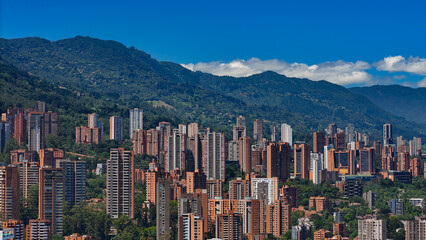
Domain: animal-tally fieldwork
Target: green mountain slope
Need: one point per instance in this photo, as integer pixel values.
(406, 102)
(128, 77)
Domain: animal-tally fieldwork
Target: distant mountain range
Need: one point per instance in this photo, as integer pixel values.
(406, 102)
(113, 75)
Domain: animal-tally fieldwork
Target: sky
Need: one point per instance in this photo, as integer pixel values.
(351, 43)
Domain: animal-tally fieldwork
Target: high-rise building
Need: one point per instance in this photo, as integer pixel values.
(316, 165)
(244, 147)
(397, 206)
(339, 141)
(165, 129)
(252, 213)
(403, 161)
(388, 158)
(319, 203)
(301, 161)
(162, 208)
(287, 134)
(18, 227)
(152, 142)
(50, 123)
(139, 141)
(192, 129)
(195, 180)
(40, 106)
(229, 226)
(265, 189)
(214, 156)
(278, 161)
(39, 229)
(415, 145)
(116, 128)
(35, 131)
(120, 183)
(322, 234)
(319, 142)
(9, 193)
(241, 121)
(257, 130)
(51, 197)
(75, 180)
(28, 177)
(415, 229)
(339, 228)
(239, 189)
(350, 133)
(370, 198)
(367, 161)
(136, 120)
(151, 186)
(371, 228)
(415, 167)
(191, 227)
(93, 122)
(238, 132)
(387, 134)
(290, 194)
(195, 153)
(176, 154)
(88, 135)
(332, 129)
(233, 151)
(214, 188)
(275, 136)
(340, 161)
(278, 217)
(196, 204)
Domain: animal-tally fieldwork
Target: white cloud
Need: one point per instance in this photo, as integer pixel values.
(421, 83)
(401, 64)
(339, 72)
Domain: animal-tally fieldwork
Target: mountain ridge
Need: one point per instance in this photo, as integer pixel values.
(128, 76)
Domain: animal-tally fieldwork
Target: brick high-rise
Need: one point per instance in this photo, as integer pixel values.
(319, 142)
(176, 154)
(9, 192)
(278, 161)
(191, 227)
(244, 147)
(257, 130)
(229, 226)
(28, 177)
(301, 161)
(35, 124)
(51, 197)
(120, 183)
(139, 141)
(239, 189)
(278, 218)
(39, 229)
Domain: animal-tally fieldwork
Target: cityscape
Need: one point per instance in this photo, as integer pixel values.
(187, 182)
(212, 120)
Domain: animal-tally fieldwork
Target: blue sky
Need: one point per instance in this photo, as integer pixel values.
(340, 41)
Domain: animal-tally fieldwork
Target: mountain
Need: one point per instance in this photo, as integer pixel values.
(406, 102)
(110, 72)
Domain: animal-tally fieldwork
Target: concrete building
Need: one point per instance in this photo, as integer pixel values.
(51, 197)
(75, 180)
(136, 120)
(287, 134)
(265, 189)
(191, 227)
(120, 183)
(387, 134)
(397, 206)
(239, 189)
(163, 209)
(214, 156)
(116, 128)
(415, 229)
(176, 151)
(18, 227)
(192, 129)
(370, 198)
(371, 228)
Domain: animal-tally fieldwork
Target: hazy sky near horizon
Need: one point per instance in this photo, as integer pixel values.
(352, 43)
